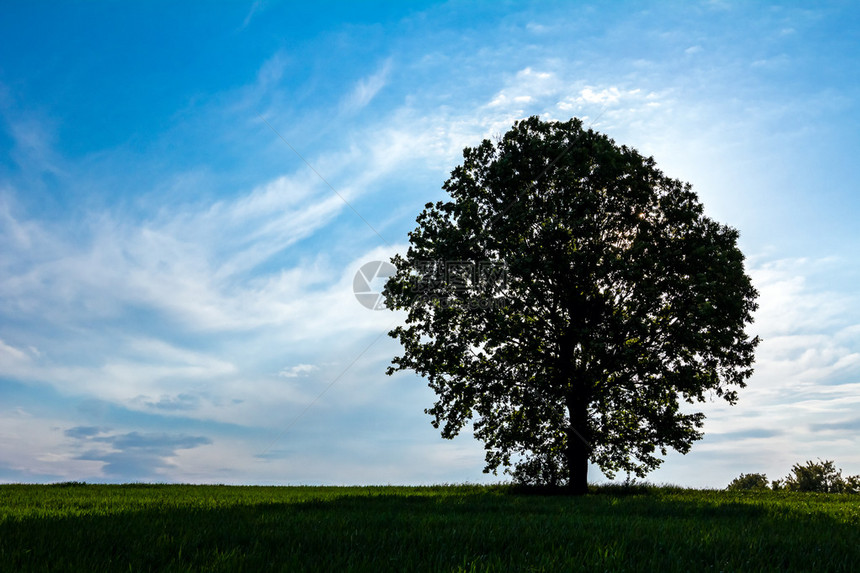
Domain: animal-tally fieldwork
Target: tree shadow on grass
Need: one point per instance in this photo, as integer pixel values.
(606, 489)
(491, 529)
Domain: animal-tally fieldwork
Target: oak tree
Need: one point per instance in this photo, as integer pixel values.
(566, 300)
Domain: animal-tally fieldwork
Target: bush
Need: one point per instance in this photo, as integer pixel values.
(748, 482)
(822, 477)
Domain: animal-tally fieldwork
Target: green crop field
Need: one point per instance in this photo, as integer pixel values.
(72, 527)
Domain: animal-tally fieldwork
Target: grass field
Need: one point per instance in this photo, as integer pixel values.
(71, 527)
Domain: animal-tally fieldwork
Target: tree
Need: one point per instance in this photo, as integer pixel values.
(822, 477)
(565, 299)
(749, 482)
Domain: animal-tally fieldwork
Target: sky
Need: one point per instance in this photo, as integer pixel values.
(187, 192)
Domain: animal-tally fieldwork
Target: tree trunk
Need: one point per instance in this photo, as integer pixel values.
(577, 397)
(578, 448)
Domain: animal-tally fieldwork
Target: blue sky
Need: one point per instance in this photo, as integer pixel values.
(176, 282)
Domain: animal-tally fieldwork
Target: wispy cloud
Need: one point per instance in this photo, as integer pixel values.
(33, 138)
(367, 88)
(297, 370)
(178, 402)
(526, 87)
(10, 354)
(801, 401)
(191, 263)
(256, 8)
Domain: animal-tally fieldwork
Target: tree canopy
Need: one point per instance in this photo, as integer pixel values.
(565, 300)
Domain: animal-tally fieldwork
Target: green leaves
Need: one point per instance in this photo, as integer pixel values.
(618, 298)
(817, 477)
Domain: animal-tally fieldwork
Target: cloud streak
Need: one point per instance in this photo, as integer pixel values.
(367, 88)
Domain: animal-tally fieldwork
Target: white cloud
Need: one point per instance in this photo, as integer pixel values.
(536, 28)
(367, 88)
(622, 105)
(191, 265)
(15, 362)
(257, 7)
(781, 61)
(788, 305)
(194, 270)
(271, 71)
(10, 354)
(34, 449)
(527, 86)
(807, 374)
(297, 370)
(33, 148)
(609, 95)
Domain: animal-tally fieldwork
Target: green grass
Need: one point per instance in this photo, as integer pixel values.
(447, 528)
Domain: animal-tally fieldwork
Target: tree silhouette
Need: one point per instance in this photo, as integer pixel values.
(565, 300)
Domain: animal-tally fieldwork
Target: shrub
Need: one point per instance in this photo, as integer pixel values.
(748, 482)
(822, 477)
(852, 484)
